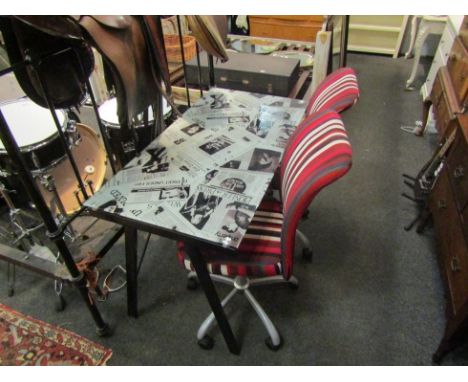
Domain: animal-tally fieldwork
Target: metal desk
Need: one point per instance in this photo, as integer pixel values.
(201, 181)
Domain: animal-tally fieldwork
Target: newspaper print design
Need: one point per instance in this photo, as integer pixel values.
(206, 174)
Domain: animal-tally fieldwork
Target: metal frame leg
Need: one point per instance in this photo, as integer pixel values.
(131, 259)
(210, 320)
(213, 299)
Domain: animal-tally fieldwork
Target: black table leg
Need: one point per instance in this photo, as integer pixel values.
(131, 258)
(213, 298)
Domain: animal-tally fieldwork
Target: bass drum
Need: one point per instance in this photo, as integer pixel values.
(90, 157)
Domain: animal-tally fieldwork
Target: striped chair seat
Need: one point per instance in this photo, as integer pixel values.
(259, 253)
(338, 91)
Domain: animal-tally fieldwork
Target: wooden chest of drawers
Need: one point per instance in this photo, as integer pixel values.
(457, 67)
(448, 203)
(448, 200)
(445, 102)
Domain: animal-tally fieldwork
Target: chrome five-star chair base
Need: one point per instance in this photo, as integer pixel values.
(242, 284)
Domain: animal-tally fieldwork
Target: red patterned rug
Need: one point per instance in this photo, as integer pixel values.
(27, 341)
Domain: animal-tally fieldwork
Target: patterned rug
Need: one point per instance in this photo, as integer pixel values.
(27, 341)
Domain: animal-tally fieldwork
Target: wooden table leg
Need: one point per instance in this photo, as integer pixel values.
(131, 259)
(213, 298)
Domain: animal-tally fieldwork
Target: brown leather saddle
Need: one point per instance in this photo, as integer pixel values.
(63, 74)
(210, 32)
(132, 46)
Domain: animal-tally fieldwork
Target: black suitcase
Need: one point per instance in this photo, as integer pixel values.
(249, 72)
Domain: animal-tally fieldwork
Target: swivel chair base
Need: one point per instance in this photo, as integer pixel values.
(242, 284)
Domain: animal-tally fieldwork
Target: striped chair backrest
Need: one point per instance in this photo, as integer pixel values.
(317, 154)
(338, 91)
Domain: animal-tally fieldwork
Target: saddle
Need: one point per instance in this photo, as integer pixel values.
(130, 45)
(63, 74)
(210, 34)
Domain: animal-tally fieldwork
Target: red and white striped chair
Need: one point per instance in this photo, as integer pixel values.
(317, 154)
(338, 91)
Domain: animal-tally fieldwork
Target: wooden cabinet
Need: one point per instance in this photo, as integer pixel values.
(445, 102)
(457, 66)
(452, 243)
(300, 28)
(448, 200)
(449, 208)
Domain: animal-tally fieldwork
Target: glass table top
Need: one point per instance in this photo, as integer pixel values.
(207, 173)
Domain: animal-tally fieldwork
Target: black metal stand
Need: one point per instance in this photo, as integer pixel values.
(200, 84)
(54, 232)
(183, 60)
(213, 299)
(344, 41)
(211, 70)
(52, 228)
(102, 130)
(131, 258)
(65, 145)
(424, 214)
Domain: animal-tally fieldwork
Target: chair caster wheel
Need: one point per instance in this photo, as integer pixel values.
(206, 343)
(307, 254)
(60, 304)
(270, 345)
(192, 283)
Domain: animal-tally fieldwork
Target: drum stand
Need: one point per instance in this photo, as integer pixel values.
(20, 236)
(53, 230)
(48, 181)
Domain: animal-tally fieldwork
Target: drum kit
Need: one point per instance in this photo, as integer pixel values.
(40, 143)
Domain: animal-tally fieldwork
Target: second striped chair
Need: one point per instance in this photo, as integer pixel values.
(338, 91)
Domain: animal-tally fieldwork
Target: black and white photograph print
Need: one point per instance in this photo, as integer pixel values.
(233, 184)
(210, 175)
(192, 129)
(219, 101)
(236, 221)
(241, 118)
(158, 161)
(234, 164)
(264, 160)
(199, 208)
(260, 127)
(174, 192)
(216, 145)
(285, 133)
